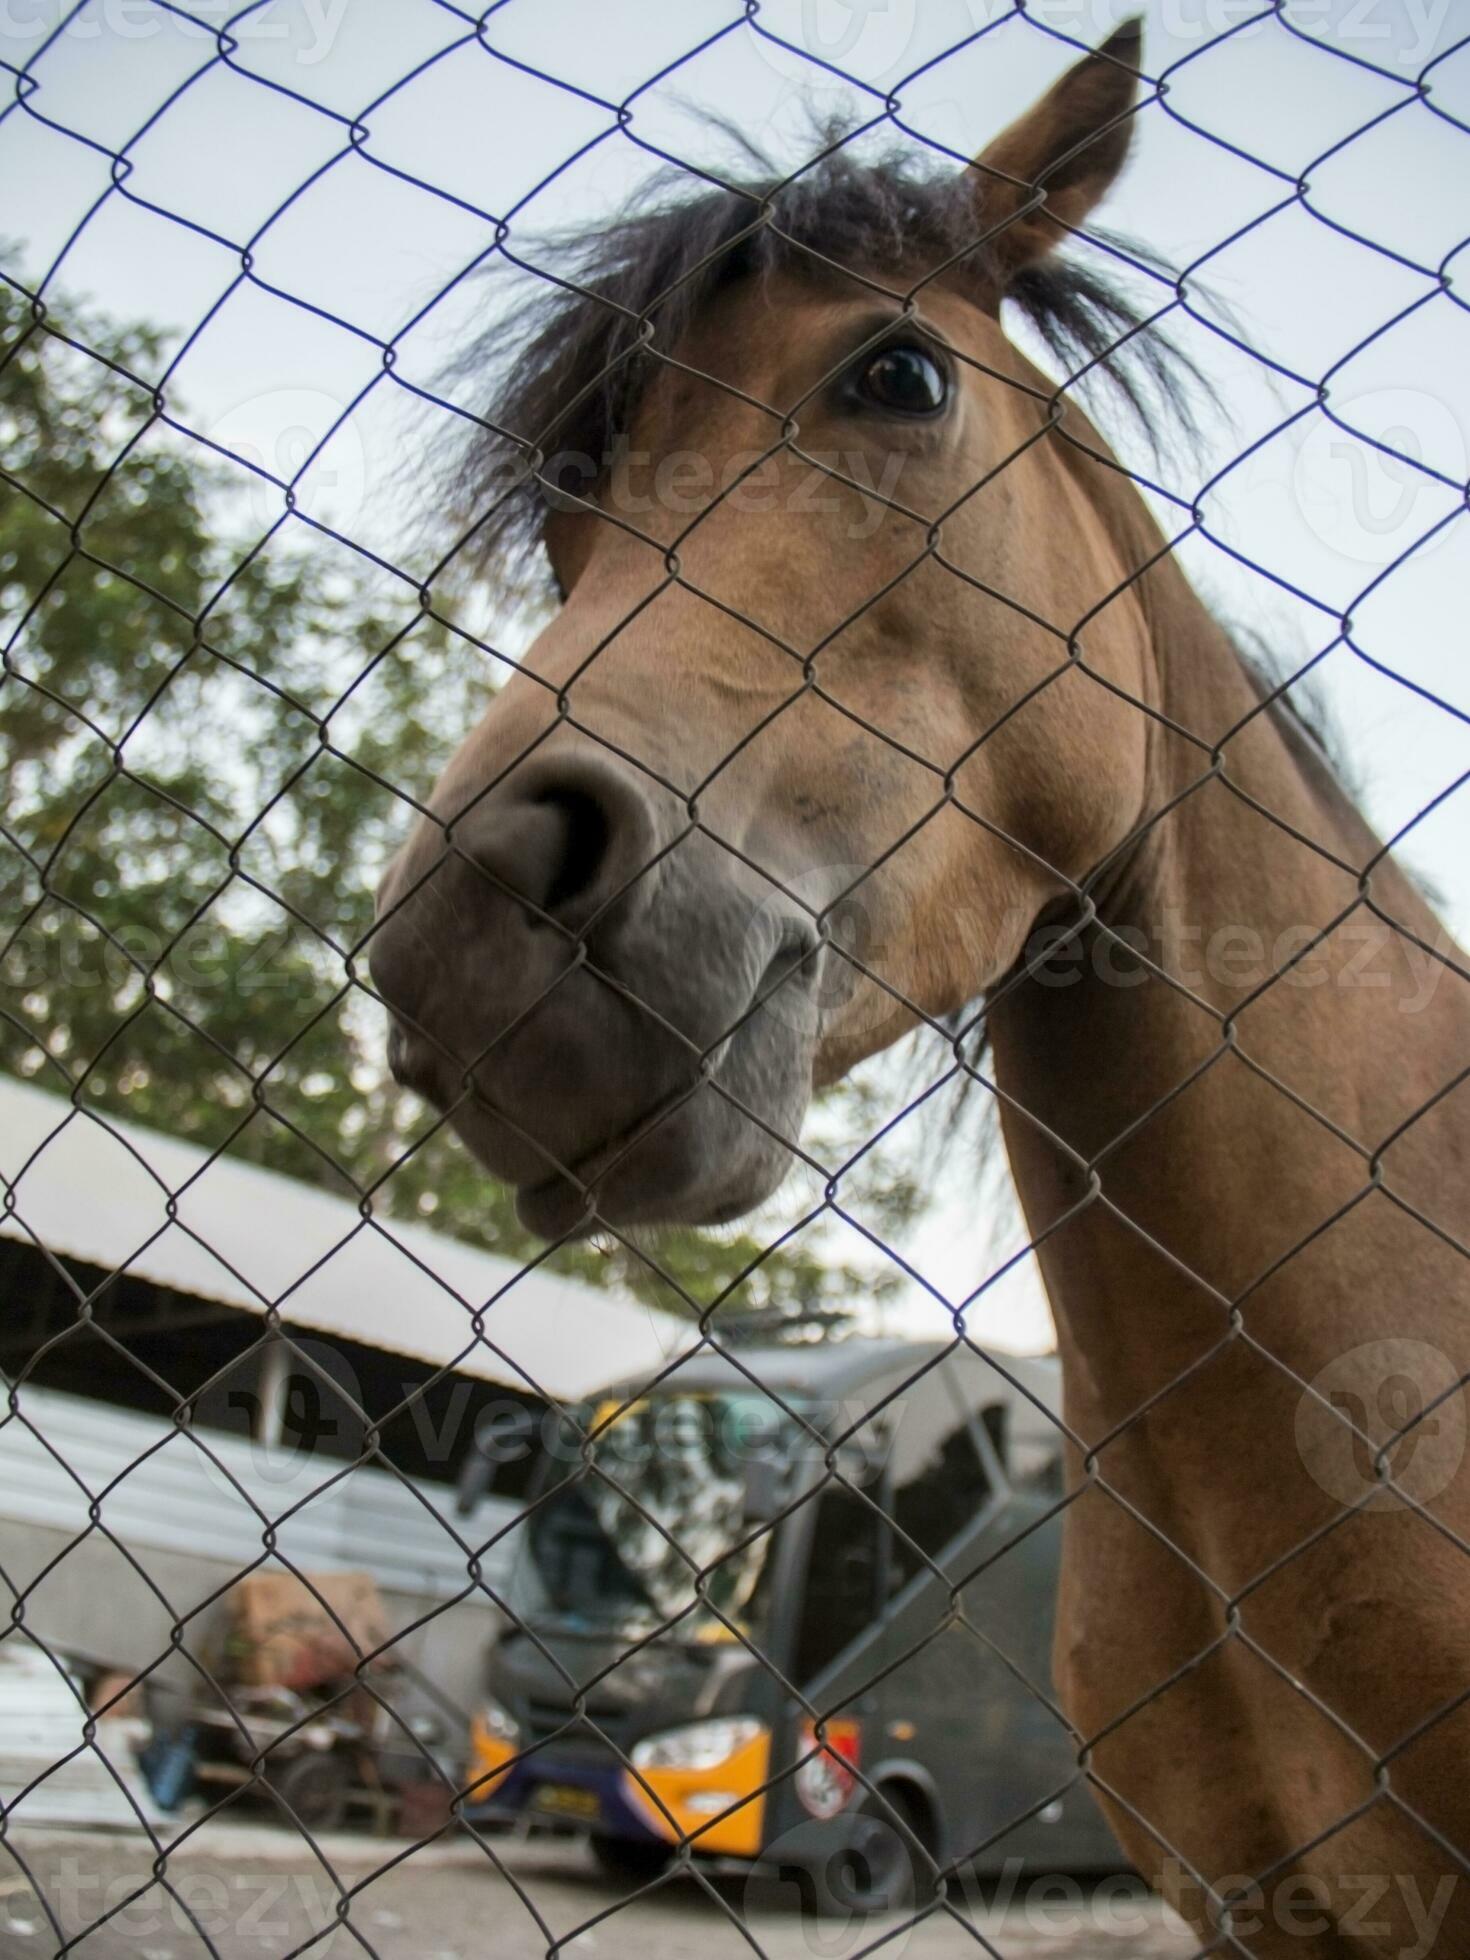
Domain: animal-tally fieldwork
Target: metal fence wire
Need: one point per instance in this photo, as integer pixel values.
(1255, 1459)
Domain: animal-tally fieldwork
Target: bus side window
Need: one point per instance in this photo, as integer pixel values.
(939, 1491)
(842, 1578)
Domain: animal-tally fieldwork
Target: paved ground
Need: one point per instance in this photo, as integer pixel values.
(257, 1897)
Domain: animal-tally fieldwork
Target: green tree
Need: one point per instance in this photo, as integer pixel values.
(207, 743)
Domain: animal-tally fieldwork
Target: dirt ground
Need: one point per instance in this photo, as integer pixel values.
(245, 1894)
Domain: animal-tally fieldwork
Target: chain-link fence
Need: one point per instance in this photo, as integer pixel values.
(582, 528)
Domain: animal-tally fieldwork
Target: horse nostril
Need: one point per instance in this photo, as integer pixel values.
(583, 845)
(568, 841)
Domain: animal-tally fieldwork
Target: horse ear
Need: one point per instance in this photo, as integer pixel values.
(1070, 146)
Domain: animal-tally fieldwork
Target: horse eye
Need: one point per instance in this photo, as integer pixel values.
(904, 381)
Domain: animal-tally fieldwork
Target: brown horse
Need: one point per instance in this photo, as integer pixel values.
(872, 665)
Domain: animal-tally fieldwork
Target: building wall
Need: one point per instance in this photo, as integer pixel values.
(115, 1527)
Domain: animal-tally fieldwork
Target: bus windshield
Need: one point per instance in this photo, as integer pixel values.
(679, 1481)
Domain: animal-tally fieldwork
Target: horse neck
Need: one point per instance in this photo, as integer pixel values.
(1172, 1143)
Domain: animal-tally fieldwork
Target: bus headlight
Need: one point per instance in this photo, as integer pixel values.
(495, 1739)
(698, 1745)
(497, 1723)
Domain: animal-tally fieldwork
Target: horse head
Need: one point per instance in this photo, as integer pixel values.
(813, 738)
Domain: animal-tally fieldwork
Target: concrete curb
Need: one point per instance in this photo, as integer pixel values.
(246, 1844)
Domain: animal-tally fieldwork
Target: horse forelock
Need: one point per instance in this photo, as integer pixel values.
(564, 372)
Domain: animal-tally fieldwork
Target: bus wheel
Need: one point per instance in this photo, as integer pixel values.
(633, 1860)
(871, 1870)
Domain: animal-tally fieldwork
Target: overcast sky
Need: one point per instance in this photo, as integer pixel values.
(320, 88)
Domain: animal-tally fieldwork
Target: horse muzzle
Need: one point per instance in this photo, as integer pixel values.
(611, 1010)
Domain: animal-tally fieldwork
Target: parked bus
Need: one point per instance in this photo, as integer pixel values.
(862, 1531)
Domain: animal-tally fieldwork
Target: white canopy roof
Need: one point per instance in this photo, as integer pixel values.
(98, 1189)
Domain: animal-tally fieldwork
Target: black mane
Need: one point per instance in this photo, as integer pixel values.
(607, 304)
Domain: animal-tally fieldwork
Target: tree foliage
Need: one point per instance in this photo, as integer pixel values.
(208, 745)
